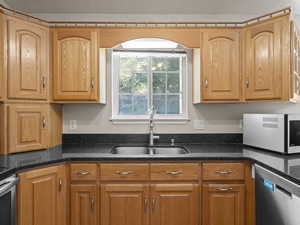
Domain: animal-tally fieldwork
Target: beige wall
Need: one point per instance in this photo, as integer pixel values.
(219, 118)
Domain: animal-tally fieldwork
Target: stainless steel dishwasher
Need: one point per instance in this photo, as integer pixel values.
(8, 200)
(277, 199)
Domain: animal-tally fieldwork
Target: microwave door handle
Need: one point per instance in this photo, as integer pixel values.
(8, 186)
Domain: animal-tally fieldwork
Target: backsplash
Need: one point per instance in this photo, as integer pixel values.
(91, 139)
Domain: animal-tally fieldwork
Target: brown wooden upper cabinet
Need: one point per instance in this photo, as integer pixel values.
(28, 127)
(267, 60)
(221, 65)
(28, 56)
(75, 61)
(42, 196)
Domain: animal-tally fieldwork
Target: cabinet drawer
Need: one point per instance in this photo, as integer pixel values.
(223, 171)
(126, 171)
(83, 171)
(175, 171)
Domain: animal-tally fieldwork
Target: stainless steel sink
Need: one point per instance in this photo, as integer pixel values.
(130, 150)
(172, 150)
(147, 150)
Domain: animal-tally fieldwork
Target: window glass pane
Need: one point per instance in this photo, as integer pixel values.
(140, 105)
(140, 83)
(173, 83)
(125, 86)
(173, 104)
(133, 74)
(159, 82)
(125, 105)
(173, 63)
(130, 63)
(165, 63)
(159, 102)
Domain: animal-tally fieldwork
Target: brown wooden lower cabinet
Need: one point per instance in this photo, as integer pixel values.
(223, 204)
(125, 204)
(84, 204)
(175, 204)
(41, 197)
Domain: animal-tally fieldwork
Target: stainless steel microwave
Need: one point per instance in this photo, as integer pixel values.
(273, 132)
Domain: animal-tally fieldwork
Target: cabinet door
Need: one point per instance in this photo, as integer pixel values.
(2, 32)
(263, 61)
(124, 204)
(27, 127)
(84, 204)
(174, 204)
(38, 200)
(295, 62)
(221, 65)
(223, 204)
(28, 66)
(75, 65)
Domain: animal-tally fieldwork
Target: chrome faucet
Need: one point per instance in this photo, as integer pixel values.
(152, 137)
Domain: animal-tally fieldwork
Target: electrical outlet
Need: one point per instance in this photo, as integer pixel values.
(73, 124)
(199, 124)
(241, 124)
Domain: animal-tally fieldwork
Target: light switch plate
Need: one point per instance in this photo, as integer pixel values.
(241, 124)
(73, 124)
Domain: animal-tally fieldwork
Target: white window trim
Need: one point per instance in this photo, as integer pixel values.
(141, 119)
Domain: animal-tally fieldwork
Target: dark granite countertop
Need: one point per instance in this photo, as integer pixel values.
(287, 166)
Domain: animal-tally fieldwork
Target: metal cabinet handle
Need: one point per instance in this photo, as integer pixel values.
(206, 83)
(92, 84)
(247, 84)
(124, 172)
(60, 183)
(145, 205)
(175, 172)
(223, 171)
(44, 122)
(44, 82)
(92, 203)
(153, 204)
(224, 189)
(83, 173)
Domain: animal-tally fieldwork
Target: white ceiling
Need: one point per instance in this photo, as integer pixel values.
(151, 6)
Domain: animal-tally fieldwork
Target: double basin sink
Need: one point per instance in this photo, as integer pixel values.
(149, 150)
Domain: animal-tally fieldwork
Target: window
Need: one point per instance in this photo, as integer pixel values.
(146, 78)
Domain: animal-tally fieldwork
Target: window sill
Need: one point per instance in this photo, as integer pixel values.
(145, 120)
